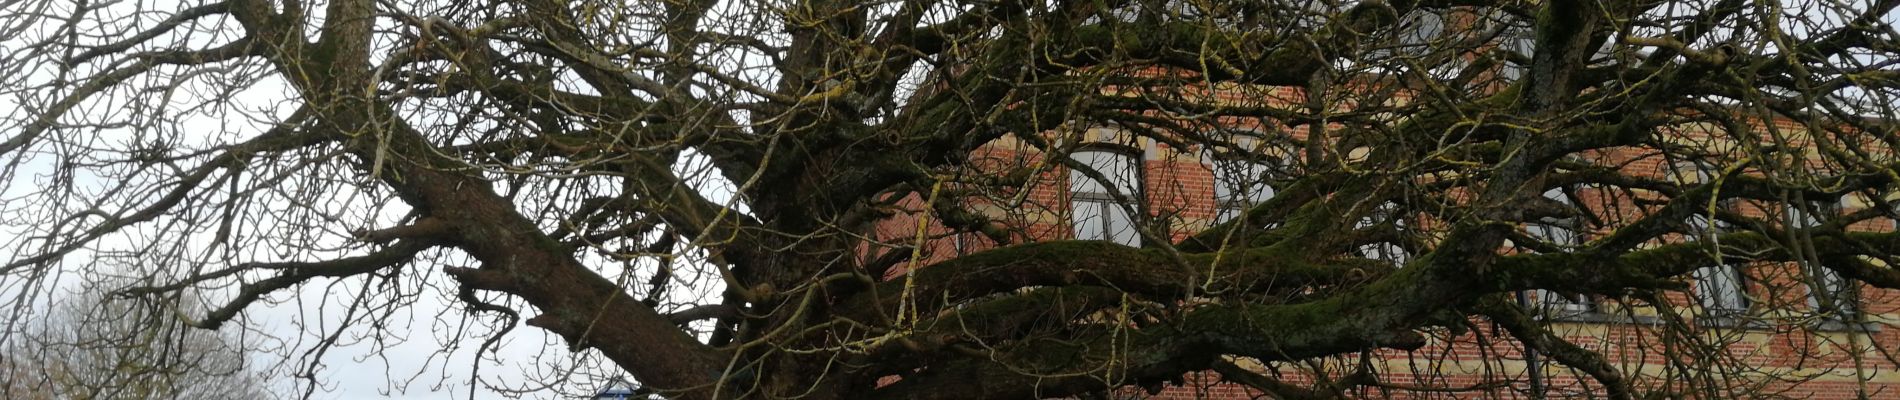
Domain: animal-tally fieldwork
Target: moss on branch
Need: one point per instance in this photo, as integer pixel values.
(1657, 267)
(1148, 272)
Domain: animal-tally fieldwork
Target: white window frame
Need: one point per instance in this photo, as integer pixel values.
(1562, 232)
(1721, 290)
(1384, 251)
(1520, 41)
(1232, 176)
(1523, 40)
(1842, 293)
(1094, 210)
(1829, 293)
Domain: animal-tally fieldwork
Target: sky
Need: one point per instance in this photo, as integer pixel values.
(427, 348)
(410, 364)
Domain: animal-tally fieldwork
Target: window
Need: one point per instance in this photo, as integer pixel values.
(1415, 33)
(1237, 185)
(1694, 173)
(1096, 213)
(1386, 251)
(1517, 39)
(1831, 295)
(1560, 232)
(1419, 28)
(1174, 11)
(1721, 290)
(1519, 36)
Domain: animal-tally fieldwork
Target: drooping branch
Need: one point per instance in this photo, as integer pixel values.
(294, 273)
(1534, 335)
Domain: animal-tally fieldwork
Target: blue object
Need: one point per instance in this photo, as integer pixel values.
(616, 390)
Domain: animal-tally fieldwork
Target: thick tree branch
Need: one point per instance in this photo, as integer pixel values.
(1145, 271)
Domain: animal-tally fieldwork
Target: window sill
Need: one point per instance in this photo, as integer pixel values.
(1598, 317)
(1733, 320)
(1825, 325)
(1718, 321)
(1837, 325)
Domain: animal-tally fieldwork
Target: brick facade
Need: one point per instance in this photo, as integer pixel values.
(1780, 352)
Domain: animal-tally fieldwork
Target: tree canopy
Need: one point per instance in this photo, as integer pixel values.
(94, 347)
(702, 192)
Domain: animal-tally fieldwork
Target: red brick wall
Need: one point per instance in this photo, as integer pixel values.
(1179, 187)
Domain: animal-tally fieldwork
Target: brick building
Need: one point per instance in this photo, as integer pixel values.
(1758, 329)
(1754, 329)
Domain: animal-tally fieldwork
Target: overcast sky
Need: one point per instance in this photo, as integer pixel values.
(417, 361)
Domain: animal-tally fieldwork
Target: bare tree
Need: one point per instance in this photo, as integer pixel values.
(868, 199)
(94, 347)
